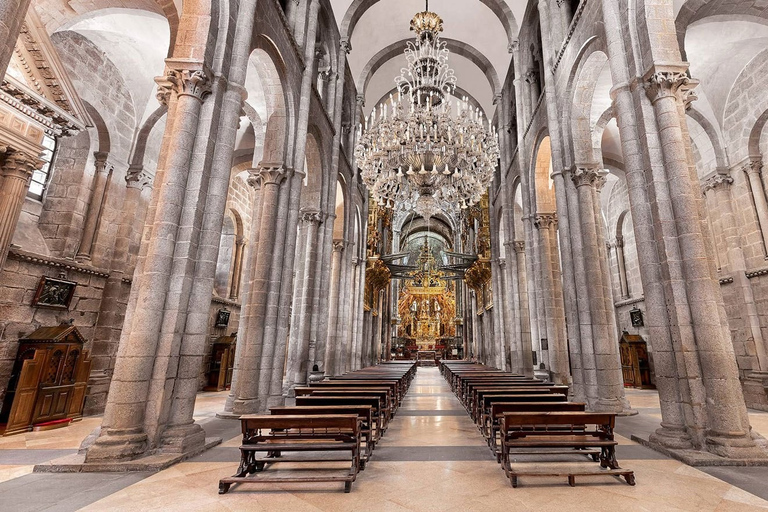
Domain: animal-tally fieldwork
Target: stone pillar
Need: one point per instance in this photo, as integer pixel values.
(717, 188)
(610, 386)
(247, 401)
(754, 170)
(12, 13)
(15, 171)
(554, 315)
(123, 432)
(623, 285)
(237, 268)
(526, 346)
(101, 177)
(333, 299)
(726, 429)
(298, 347)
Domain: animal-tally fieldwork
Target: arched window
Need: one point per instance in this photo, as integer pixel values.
(41, 176)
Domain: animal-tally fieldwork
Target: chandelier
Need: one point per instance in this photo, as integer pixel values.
(420, 147)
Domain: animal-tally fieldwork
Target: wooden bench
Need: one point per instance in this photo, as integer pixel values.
(559, 430)
(304, 434)
(352, 383)
(379, 415)
(476, 411)
(382, 393)
(365, 412)
(497, 410)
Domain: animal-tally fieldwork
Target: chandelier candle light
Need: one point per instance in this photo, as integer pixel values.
(421, 148)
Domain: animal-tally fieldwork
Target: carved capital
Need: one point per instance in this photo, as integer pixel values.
(137, 177)
(338, 245)
(19, 164)
(715, 181)
(513, 46)
(240, 241)
(585, 176)
(519, 246)
(619, 241)
(663, 84)
(183, 82)
(345, 45)
(502, 263)
(360, 100)
(545, 220)
(497, 98)
(311, 216)
(532, 76)
(100, 162)
(272, 175)
(753, 166)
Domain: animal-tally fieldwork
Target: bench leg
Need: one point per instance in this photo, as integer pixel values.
(608, 458)
(223, 488)
(630, 478)
(347, 487)
(572, 480)
(513, 480)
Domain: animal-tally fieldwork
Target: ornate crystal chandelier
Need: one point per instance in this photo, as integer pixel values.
(420, 148)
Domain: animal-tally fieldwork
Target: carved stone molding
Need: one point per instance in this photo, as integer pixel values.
(715, 181)
(519, 246)
(662, 84)
(183, 82)
(545, 220)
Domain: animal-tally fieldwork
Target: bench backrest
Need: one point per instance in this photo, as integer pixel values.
(320, 421)
(511, 420)
(544, 397)
(498, 408)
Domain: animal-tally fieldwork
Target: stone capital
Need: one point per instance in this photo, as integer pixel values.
(272, 175)
(137, 177)
(545, 220)
(183, 82)
(502, 263)
(497, 98)
(715, 181)
(360, 100)
(311, 216)
(519, 246)
(345, 45)
(532, 76)
(619, 241)
(240, 241)
(18, 164)
(667, 83)
(338, 245)
(585, 176)
(753, 166)
(513, 46)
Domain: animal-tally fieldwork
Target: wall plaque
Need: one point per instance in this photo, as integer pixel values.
(636, 317)
(54, 293)
(222, 318)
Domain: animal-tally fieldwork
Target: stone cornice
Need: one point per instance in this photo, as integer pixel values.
(29, 257)
(569, 35)
(225, 302)
(627, 302)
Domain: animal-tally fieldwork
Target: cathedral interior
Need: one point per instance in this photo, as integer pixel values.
(213, 213)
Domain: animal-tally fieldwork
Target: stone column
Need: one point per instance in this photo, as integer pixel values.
(15, 171)
(623, 285)
(754, 170)
(298, 347)
(727, 426)
(526, 346)
(718, 186)
(250, 361)
(555, 319)
(123, 434)
(237, 268)
(333, 299)
(610, 387)
(101, 177)
(12, 13)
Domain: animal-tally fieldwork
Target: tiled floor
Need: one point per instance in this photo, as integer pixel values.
(431, 458)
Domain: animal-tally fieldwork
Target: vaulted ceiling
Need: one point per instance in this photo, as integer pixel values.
(478, 33)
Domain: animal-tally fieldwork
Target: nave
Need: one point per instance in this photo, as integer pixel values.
(432, 457)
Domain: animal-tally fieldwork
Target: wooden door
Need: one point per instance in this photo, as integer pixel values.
(23, 406)
(53, 397)
(627, 364)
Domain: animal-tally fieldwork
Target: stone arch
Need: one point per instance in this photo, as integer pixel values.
(312, 193)
(340, 209)
(581, 120)
(696, 10)
(458, 47)
(140, 147)
(517, 210)
(271, 68)
(712, 133)
(224, 263)
(756, 133)
(100, 125)
(745, 111)
(544, 187)
(499, 7)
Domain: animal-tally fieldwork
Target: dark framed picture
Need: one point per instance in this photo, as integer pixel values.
(54, 293)
(544, 344)
(636, 317)
(222, 318)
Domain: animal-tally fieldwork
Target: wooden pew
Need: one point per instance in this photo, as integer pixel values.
(474, 405)
(382, 393)
(558, 430)
(379, 416)
(303, 434)
(487, 400)
(353, 383)
(498, 409)
(364, 412)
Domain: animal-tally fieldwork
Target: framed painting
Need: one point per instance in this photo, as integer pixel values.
(54, 293)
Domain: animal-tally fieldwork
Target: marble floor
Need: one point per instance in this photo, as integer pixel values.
(431, 458)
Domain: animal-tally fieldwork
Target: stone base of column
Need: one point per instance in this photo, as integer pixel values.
(118, 445)
(275, 401)
(674, 438)
(76, 463)
(735, 447)
(245, 406)
(618, 405)
(755, 388)
(183, 439)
